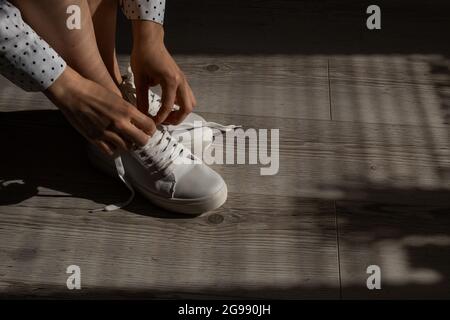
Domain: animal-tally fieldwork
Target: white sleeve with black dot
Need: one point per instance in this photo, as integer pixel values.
(25, 58)
(152, 10)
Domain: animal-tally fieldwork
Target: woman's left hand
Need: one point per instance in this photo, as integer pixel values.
(153, 65)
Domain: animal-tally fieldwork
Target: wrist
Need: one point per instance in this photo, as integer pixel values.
(147, 32)
(61, 88)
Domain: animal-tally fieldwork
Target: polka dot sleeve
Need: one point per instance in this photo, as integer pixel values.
(152, 10)
(25, 58)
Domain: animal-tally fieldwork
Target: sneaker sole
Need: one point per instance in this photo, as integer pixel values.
(185, 206)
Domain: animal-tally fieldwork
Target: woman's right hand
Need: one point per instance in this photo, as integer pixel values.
(100, 115)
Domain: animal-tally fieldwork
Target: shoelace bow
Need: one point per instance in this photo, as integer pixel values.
(164, 151)
(185, 126)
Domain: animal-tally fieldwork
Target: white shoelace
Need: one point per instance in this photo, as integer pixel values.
(159, 153)
(216, 128)
(155, 104)
(186, 126)
(152, 152)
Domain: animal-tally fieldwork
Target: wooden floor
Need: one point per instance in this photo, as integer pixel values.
(364, 179)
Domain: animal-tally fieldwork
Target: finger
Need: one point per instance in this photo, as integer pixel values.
(169, 93)
(177, 117)
(142, 96)
(143, 122)
(103, 147)
(128, 131)
(113, 139)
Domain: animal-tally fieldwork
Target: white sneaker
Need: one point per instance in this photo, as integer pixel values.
(166, 173)
(164, 170)
(193, 125)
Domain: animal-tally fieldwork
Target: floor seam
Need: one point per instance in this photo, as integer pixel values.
(338, 250)
(329, 89)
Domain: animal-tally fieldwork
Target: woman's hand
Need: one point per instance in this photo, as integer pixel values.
(100, 115)
(152, 65)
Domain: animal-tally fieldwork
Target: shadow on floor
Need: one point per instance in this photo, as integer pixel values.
(410, 243)
(440, 69)
(45, 152)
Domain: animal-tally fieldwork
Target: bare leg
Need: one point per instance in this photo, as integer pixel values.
(104, 17)
(78, 47)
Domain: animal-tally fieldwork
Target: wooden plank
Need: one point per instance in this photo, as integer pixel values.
(255, 246)
(410, 244)
(377, 69)
(375, 89)
(319, 159)
(277, 85)
(395, 89)
(341, 160)
(266, 85)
